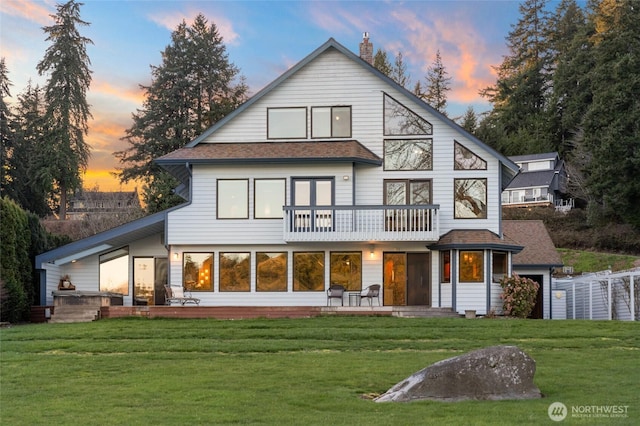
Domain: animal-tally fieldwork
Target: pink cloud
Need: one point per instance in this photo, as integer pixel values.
(464, 52)
(36, 11)
(171, 20)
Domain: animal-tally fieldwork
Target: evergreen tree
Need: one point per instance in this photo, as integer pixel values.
(438, 84)
(519, 122)
(193, 88)
(5, 133)
(399, 71)
(381, 62)
(67, 153)
(470, 121)
(612, 121)
(571, 62)
(30, 128)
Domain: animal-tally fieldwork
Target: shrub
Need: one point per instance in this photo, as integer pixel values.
(518, 296)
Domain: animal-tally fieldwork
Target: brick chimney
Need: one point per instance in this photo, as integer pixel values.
(366, 49)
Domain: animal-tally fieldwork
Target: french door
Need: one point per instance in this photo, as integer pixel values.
(406, 279)
(310, 195)
(149, 278)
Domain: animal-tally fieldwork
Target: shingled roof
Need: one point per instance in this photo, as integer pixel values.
(539, 249)
(350, 151)
(475, 239)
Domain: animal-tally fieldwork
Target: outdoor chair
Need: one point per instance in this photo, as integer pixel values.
(371, 292)
(336, 291)
(178, 296)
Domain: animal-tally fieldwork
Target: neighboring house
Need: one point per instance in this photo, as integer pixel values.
(537, 260)
(332, 173)
(87, 203)
(542, 181)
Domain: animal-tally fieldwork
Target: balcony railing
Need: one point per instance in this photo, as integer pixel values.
(362, 223)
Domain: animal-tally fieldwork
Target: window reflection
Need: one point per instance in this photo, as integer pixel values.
(197, 271)
(114, 271)
(346, 270)
(308, 271)
(472, 266)
(235, 272)
(271, 271)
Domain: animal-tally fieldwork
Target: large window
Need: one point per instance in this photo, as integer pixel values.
(269, 198)
(308, 271)
(405, 192)
(408, 154)
(346, 270)
(271, 271)
(471, 266)
(470, 198)
(114, 271)
(331, 122)
(235, 271)
(287, 123)
(401, 121)
(197, 271)
(465, 159)
(233, 199)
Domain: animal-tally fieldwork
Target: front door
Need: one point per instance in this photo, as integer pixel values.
(418, 288)
(406, 279)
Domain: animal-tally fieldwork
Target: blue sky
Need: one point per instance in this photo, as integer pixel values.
(263, 39)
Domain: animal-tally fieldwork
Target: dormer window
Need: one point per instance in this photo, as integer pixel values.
(331, 122)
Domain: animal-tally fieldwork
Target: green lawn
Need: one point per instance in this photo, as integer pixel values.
(589, 261)
(300, 371)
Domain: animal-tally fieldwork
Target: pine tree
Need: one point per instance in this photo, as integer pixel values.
(381, 62)
(519, 122)
(30, 127)
(438, 84)
(5, 133)
(571, 61)
(470, 121)
(612, 121)
(195, 86)
(399, 71)
(67, 62)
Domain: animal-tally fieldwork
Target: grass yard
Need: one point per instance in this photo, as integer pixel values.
(588, 261)
(313, 371)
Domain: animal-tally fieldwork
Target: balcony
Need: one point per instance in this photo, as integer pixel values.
(361, 223)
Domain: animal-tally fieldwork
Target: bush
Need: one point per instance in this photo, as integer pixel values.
(518, 296)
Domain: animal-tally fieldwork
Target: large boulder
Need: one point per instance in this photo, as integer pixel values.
(493, 373)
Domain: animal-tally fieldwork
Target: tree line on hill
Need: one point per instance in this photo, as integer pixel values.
(570, 83)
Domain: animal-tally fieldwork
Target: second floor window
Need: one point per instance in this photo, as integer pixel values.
(233, 199)
(287, 123)
(331, 122)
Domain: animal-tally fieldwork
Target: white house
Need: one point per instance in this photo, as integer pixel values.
(542, 181)
(332, 173)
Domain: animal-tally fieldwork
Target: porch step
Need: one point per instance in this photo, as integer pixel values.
(423, 312)
(68, 314)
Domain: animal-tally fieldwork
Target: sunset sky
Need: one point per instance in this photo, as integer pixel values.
(262, 38)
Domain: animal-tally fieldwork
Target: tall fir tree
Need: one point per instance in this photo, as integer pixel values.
(470, 121)
(67, 63)
(30, 129)
(6, 138)
(195, 86)
(571, 61)
(612, 121)
(399, 71)
(438, 85)
(519, 122)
